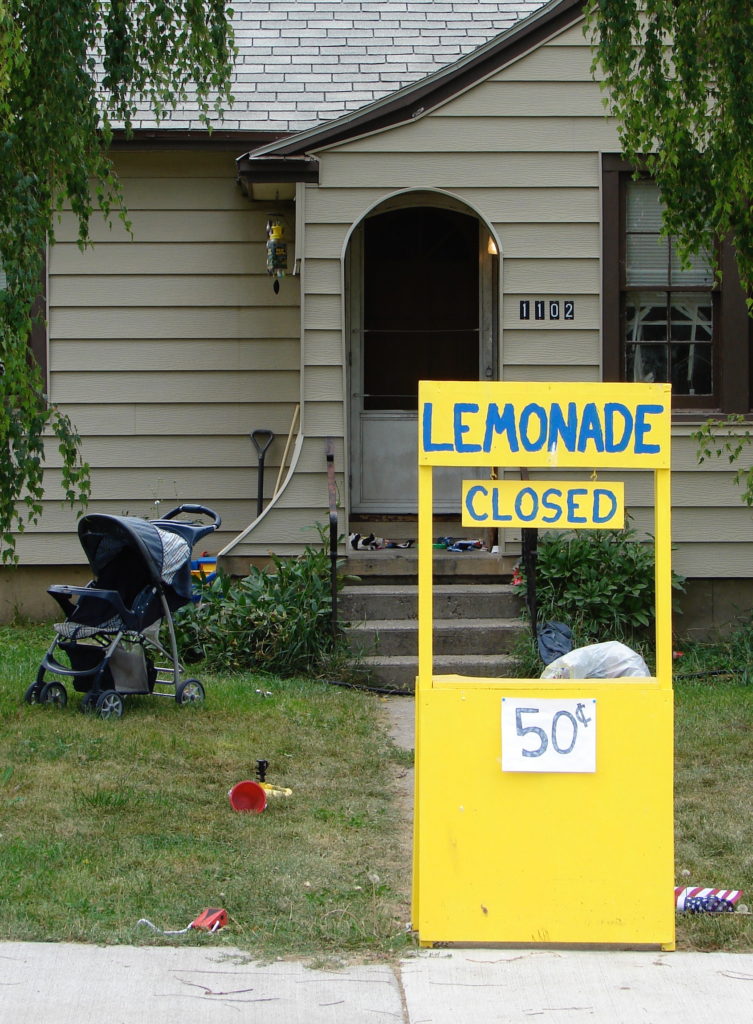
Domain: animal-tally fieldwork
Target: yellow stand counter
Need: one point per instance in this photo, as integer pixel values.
(544, 808)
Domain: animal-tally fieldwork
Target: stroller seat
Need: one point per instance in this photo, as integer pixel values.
(79, 630)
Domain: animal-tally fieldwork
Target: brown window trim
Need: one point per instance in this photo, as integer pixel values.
(732, 360)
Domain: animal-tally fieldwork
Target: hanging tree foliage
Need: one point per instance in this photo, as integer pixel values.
(69, 70)
(679, 75)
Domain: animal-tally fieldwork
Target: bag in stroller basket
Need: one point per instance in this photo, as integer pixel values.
(110, 639)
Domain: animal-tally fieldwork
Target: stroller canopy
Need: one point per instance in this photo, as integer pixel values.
(125, 548)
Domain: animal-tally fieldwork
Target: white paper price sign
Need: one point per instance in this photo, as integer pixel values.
(548, 734)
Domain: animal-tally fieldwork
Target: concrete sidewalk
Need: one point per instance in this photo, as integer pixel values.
(60, 983)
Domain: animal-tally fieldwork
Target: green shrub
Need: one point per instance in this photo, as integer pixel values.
(600, 582)
(277, 620)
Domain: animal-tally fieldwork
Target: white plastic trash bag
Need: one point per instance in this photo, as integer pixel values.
(610, 660)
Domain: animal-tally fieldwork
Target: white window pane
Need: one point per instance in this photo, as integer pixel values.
(646, 317)
(643, 207)
(691, 317)
(698, 273)
(647, 259)
(646, 364)
(691, 369)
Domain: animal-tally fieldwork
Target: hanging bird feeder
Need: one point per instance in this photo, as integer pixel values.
(277, 251)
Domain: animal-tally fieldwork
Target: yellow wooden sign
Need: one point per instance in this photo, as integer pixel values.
(550, 504)
(464, 423)
(552, 820)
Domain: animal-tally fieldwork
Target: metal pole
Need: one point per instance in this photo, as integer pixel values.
(332, 494)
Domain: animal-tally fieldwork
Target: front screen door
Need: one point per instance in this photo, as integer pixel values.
(420, 317)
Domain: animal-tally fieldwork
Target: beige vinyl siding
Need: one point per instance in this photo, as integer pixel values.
(561, 61)
(169, 348)
(324, 241)
(173, 387)
(572, 170)
(326, 348)
(576, 347)
(184, 420)
(172, 321)
(440, 133)
(164, 354)
(551, 370)
(528, 99)
(154, 291)
(582, 277)
(536, 241)
(119, 258)
(179, 226)
(522, 150)
(553, 205)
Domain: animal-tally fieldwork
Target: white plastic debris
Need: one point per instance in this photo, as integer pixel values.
(610, 660)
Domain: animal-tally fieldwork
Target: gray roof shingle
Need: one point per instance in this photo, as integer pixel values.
(302, 63)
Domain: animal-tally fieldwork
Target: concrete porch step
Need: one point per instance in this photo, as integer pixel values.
(466, 636)
(394, 601)
(398, 672)
(401, 566)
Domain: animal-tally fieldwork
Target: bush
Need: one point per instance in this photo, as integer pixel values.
(277, 620)
(600, 582)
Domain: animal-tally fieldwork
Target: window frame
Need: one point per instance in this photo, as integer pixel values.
(731, 360)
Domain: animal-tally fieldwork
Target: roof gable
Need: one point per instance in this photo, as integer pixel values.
(431, 90)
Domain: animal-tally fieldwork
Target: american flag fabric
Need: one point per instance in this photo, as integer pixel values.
(685, 893)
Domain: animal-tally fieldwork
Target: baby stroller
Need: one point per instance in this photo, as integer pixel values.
(110, 638)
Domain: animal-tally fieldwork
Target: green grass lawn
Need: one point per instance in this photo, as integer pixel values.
(107, 822)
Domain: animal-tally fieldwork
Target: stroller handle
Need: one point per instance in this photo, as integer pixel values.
(195, 510)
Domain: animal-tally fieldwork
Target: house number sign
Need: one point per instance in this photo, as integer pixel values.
(548, 735)
(547, 309)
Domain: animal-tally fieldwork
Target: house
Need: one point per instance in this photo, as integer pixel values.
(455, 205)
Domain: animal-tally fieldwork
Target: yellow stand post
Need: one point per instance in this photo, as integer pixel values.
(543, 809)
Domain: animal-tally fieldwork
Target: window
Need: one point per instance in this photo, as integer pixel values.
(668, 310)
(664, 322)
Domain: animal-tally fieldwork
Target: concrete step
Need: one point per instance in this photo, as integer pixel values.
(460, 636)
(400, 565)
(399, 673)
(470, 601)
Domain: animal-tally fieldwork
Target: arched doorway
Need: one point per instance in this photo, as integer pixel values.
(421, 286)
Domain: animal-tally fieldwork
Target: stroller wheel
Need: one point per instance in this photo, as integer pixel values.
(89, 702)
(32, 694)
(53, 693)
(110, 704)
(190, 691)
